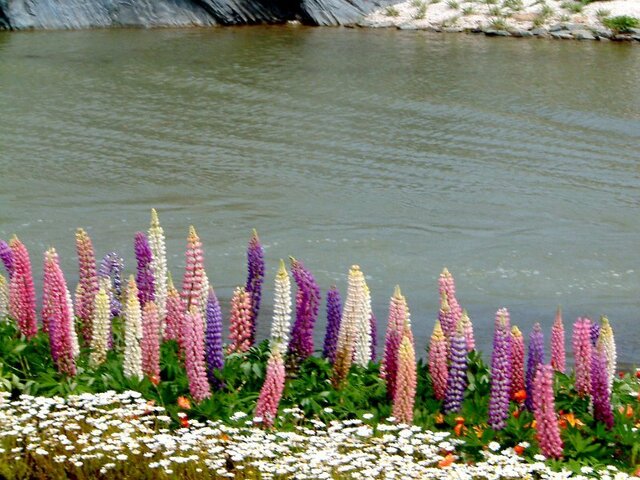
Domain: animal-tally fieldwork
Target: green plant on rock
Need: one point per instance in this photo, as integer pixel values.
(573, 7)
(498, 24)
(515, 5)
(468, 10)
(496, 12)
(421, 12)
(392, 12)
(621, 24)
(602, 13)
(453, 4)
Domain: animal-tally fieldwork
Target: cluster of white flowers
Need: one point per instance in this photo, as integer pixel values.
(121, 433)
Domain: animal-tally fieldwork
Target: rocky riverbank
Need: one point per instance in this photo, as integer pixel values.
(606, 20)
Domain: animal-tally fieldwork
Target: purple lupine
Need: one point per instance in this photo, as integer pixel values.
(255, 276)
(374, 336)
(307, 303)
(457, 378)
(334, 316)
(111, 268)
(500, 372)
(600, 393)
(6, 255)
(144, 277)
(213, 340)
(535, 358)
(594, 333)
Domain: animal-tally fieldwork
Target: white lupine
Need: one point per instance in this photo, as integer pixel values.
(353, 310)
(608, 344)
(4, 298)
(281, 311)
(132, 362)
(158, 266)
(75, 345)
(204, 297)
(101, 326)
(362, 349)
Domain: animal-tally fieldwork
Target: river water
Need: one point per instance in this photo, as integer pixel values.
(515, 163)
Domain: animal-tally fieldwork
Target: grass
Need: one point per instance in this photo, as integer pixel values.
(469, 10)
(450, 22)
(391, 12)
(515, 5)
(421, 12)
(602, 13)
(496, 12)
(453, 4)
(621, 24)
(498, 24)
(417, 3)
(573, 7)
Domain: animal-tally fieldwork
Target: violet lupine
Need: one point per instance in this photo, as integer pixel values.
(557, 343)
(548, 431)
(438, 369)
(175, 313)
(110, 269)
(88, 281)
(535, 358)
(457, 377)
(398, 316)
(150, 343)
(354, 309)
(22, 293)
(240, 321)
(307, 305)
(447, 286)
(281, 323)
(4, 298)
(607, 343)
(56, 313)
(600, 392)
(132, 361)
(158, 266)
(334, 316)
(500, 371)
(362, 344)
(582, 355)
(594, 333)
(468, 331)
(405, 394)
(6, 255)
(144, 276)
(517, 361)
(373, 321)
(255, 277)
(271, 391)
(191, 294)
(213, 341)
(101, 325)
(194, 354)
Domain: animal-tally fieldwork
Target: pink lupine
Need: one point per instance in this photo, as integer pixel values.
(557, 343)
(517, 361)
(447, 287)
(22, 294)
(150, 343)
(240, 322)
(582, 355)
(88, 281)
(545, 414)
(194, 354)
(438, 369)
(192, 282)
(398, 313)
(271, 392)
(406, 381)
(175, 313)
(468, 331)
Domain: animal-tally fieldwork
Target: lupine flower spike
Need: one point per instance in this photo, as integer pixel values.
(175, 314)
(535, 358)
(468, 331)
(517, 361)
(398, 316)
(500, 372)
(213, 341)
(4, 298)
(447, 287)
(545, 414)
(362, 346)
(159, 266)
(111, 268)
(438, 369)
(22, 294)
(193, 274)
(144, 278)
(334, 316)
(307, 305)
(255, 277)
(607, 343)
(557, 343)
(101, 325)
(271, 392)
(193, 334)
(132, 362)
(457, 378)
(240, 322)
(6, 256)
(281, 311)
(600, 392)
(582, 355)
(205, 294)
(594, 333)
(374, 336)
(404, 396)
(150, 344)
(88, 280)
(445, 316)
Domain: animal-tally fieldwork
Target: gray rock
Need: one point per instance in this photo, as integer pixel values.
(540, 32)
(521, 33)
(636, 37)
(557, 27)
(621, 37)
(320, 12)
(497, 33)
(603, 33)
(572, 27)
(452, 29)
(431, 28)
(635, 31)
(562, 35)
(583, 35)
(408, 26)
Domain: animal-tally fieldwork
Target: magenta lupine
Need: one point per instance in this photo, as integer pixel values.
(22, 293)
(334, 315)
(535, 358)
(374, 336)
(110, 269)
(240, 321)
(438, 369)
(500, 371)
(517, 361)
(582, 355)
(557, 343)
(144, 276)
(307, 305)
(213, 342)
(405, 394)
(88, 281)
(600, 393)
(6, 256)
(398, 315)
(447, 287)
(150, 343)
(468, 331)
(457, 377)
(56, 313)
(194, 361)
(548, 431)
(271, 391)
(192, 281)
(255, 277)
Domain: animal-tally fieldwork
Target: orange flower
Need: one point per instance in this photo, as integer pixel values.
(516, 414)
(479, 431)
(459, 429)
(224, 437)
(155, 379)
(459, 420)
(534, 424)
(439, 419)
(184, 403)
(446, 461)
(184, 422)
(572, 420)
(520, 396)
(562, 423)
(519, 449)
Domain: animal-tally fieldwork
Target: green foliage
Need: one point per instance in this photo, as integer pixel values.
(621, 24)
(573, 7)
(421, 12)
(453, 4)
(392, 12)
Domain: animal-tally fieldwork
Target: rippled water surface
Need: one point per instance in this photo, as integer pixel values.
(516, 163)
